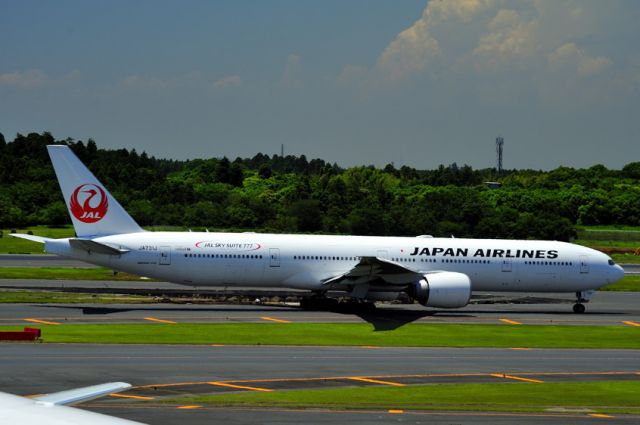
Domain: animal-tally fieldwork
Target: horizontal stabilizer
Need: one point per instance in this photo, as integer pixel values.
(92, 246)
(30, 237)
(82, 394)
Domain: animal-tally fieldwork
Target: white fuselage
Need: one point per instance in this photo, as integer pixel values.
(306, 261)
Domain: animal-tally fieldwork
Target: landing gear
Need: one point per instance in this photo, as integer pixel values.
(318, 303)
(581, 297)
(578, 308)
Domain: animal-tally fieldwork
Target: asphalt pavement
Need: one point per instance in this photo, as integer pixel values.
(36, 368)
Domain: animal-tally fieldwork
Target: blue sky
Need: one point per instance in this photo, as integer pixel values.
(353, 82)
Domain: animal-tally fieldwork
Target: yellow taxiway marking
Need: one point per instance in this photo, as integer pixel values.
(601, 415)
(631, 323)
(370, 346)
(511, 322)
(517, 378)
(376, 381)
(273, 319)
(520, 348)
(153, 319)
(189, 407)
(216, 345)
(240, 387)
(137, 397)
(396, 411)
(44, 322)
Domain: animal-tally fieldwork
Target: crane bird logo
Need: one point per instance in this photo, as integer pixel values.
(89, 203)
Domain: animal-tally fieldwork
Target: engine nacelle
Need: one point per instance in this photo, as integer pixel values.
(443, 290)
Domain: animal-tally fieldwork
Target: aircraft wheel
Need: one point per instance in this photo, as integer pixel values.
(318, 303)
(578, 308)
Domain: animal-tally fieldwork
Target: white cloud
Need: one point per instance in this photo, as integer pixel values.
(290, 76)
(229, 81)
(512, 38)
(138, 82)
(416, 47)
(29, 79)
(189, 81)
(577, 61)
(534, 44)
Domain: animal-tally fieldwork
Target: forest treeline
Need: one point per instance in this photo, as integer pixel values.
(294, 194)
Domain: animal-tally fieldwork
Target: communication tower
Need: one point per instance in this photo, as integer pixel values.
(499, 143)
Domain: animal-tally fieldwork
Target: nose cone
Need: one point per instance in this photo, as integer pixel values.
(617, 273)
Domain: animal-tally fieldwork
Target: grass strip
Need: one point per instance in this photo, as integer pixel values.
(64, 273)
(10, 245)
(600, 397)
(348, 334)
(629, 283)
(70, 298)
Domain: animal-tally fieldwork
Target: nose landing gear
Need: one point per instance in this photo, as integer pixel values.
(581, 297)
(578, 308)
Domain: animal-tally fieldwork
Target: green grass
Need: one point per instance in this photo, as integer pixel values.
(597, 243)
(626, 258)
(11, 245)
(349, 334)
(63, 273)
(601, 397)
(70, 298)
(629, 283)
(607, 227)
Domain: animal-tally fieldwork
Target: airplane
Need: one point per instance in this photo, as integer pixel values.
(50, 409)
(435, 272)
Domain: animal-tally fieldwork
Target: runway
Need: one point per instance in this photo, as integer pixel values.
(34, 368)
(606, 308)
(40, 260)
(164, 415)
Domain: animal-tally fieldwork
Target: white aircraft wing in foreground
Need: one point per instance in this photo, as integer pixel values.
(436, 272)
(50, 409)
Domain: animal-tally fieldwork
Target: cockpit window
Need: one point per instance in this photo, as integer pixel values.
(611, 263)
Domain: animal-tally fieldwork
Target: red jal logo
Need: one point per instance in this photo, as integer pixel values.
(89, 203)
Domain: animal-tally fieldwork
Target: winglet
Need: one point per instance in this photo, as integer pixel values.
(82, 394)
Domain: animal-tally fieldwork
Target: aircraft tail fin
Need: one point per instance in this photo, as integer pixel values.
(93, 210)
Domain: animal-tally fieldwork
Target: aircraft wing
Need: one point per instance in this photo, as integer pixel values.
(375, 271)
(82, 394)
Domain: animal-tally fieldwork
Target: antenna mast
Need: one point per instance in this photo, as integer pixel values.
(499, 144)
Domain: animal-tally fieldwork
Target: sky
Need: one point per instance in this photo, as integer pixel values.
(358, 82)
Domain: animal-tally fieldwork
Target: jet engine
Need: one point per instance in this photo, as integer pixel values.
(443, 290)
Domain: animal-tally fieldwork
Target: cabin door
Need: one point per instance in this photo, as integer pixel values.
(506, 265)
(274, 257)
(584, 264)
(165, 256)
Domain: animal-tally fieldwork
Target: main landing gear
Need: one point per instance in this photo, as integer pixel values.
(581, 297)
(318, 301)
